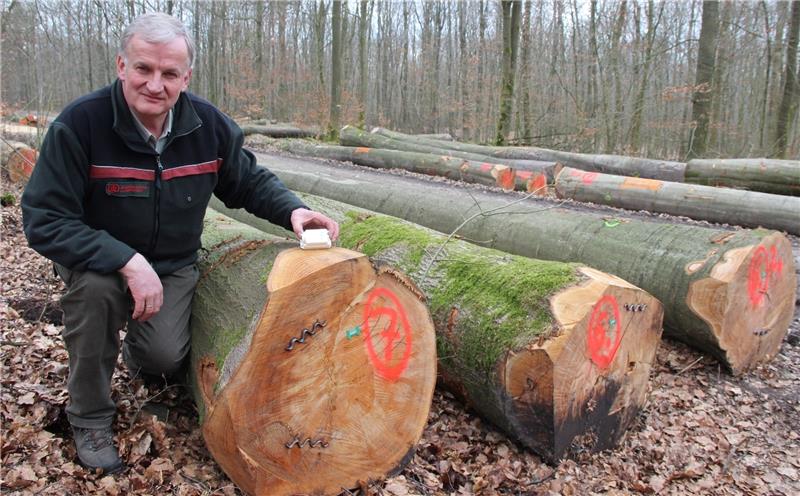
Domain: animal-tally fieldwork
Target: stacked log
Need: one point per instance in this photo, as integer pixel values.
(780, 177)
(730, 294)
(278, 130)
(540, 172)
(303, 385)
(723, 205)
(610, 164)
(18, 159)
(548, 351)
(424, 163)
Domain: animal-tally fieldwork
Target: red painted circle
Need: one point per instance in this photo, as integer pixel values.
(762, 265)
(385, 364)
(604, 333)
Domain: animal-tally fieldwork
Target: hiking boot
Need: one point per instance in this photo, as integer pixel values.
(96, 449)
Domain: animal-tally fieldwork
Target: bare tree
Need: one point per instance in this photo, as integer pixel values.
(791, 92)
(703, 96)
(511, 19)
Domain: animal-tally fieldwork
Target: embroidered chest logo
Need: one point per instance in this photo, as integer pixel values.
(139, 189)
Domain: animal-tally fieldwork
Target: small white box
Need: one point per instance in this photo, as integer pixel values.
(315, 239)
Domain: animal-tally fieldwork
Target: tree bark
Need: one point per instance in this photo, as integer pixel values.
(545, 350)
(297, 389)
(730, 294)
(791, 86)
(511, 19)
(424, 163)
(336, 69)
(780, 177)
(526, 170)
(731, 206)
(610, 164)
(703, 96)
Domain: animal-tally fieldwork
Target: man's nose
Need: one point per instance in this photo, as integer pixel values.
(155, 84)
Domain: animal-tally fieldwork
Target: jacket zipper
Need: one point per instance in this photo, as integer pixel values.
(159, 170)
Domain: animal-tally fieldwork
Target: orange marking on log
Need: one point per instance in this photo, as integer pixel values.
(640, 183)
(762, 266)
(386, 366)
(506, 178)
(486, 167)
(538, 184)
(362, 149)
(604, 331)
(589, 177)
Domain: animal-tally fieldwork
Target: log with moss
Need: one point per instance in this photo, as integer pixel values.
(610, 164)
(728, 293)
(723, 205)
(278, 130)
(548, 351)
(781, 177)
(534, 172)
(424, 163)
(312, 370)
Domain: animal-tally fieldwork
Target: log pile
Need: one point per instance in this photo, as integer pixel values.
(548, 351)
(780, 177)
(728, 293)
(313, 370)
(278, 130)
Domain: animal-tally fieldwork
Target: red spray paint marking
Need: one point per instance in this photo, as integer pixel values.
(539, 184)
(385, 364)
(524, 175)
(762, 266)
(486, 167)
(604, 333)
(505, 178)
(589, 177)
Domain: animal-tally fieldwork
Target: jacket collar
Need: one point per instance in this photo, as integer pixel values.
(184, 119)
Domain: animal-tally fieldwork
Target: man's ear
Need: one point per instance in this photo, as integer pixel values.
(120, 67)
(186, 79)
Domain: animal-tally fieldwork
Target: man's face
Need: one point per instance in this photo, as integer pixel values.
(153, 76)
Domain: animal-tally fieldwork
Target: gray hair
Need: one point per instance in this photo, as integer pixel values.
(157, 27)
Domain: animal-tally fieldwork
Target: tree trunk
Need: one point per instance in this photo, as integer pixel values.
(730, 294)
(424, 163)
(703, 97)
(791, 91)
(780, 177)
(362, 64)
(526, 170)
(610, 164)
(731, 206)
(298, 389)
(278, 130)
(511, 17)
(545, 350)
(336, 69)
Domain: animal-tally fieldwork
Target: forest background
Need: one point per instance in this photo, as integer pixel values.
(596, 76)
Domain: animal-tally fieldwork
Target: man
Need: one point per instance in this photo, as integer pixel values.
(117, 200)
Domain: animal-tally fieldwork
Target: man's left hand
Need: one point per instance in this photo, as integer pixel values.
(303, 219)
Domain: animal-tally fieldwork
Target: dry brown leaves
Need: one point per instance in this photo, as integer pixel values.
(701, 432)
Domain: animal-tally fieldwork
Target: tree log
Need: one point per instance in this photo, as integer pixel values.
(278, 130)
(732, 206)
(730, 294)
(304, 386)
(455, 168)
(547, 351)
(526, 170)
(609, 164)
(438, 136)
(18, 159)
(780, 177)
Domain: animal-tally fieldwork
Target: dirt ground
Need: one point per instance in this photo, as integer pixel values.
(702, 431)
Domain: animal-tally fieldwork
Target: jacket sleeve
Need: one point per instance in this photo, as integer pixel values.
(53, 209)
(245, 184)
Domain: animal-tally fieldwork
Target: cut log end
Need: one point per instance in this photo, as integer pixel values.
(341, 366)
(588, 379)
(748, 302)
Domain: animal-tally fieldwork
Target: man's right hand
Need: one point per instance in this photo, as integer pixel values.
(145, 287)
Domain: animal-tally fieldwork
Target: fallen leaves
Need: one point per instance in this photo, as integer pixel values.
(701, 431)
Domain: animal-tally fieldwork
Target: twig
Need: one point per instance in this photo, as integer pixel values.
(689, 366)
(14, 150)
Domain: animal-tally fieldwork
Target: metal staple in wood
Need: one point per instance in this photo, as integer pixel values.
(635, 307)
(311, 443)
(305, 333)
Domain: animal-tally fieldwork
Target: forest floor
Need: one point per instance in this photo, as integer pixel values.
(701, 431)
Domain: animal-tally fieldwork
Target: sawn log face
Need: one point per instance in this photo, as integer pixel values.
(335, 380)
